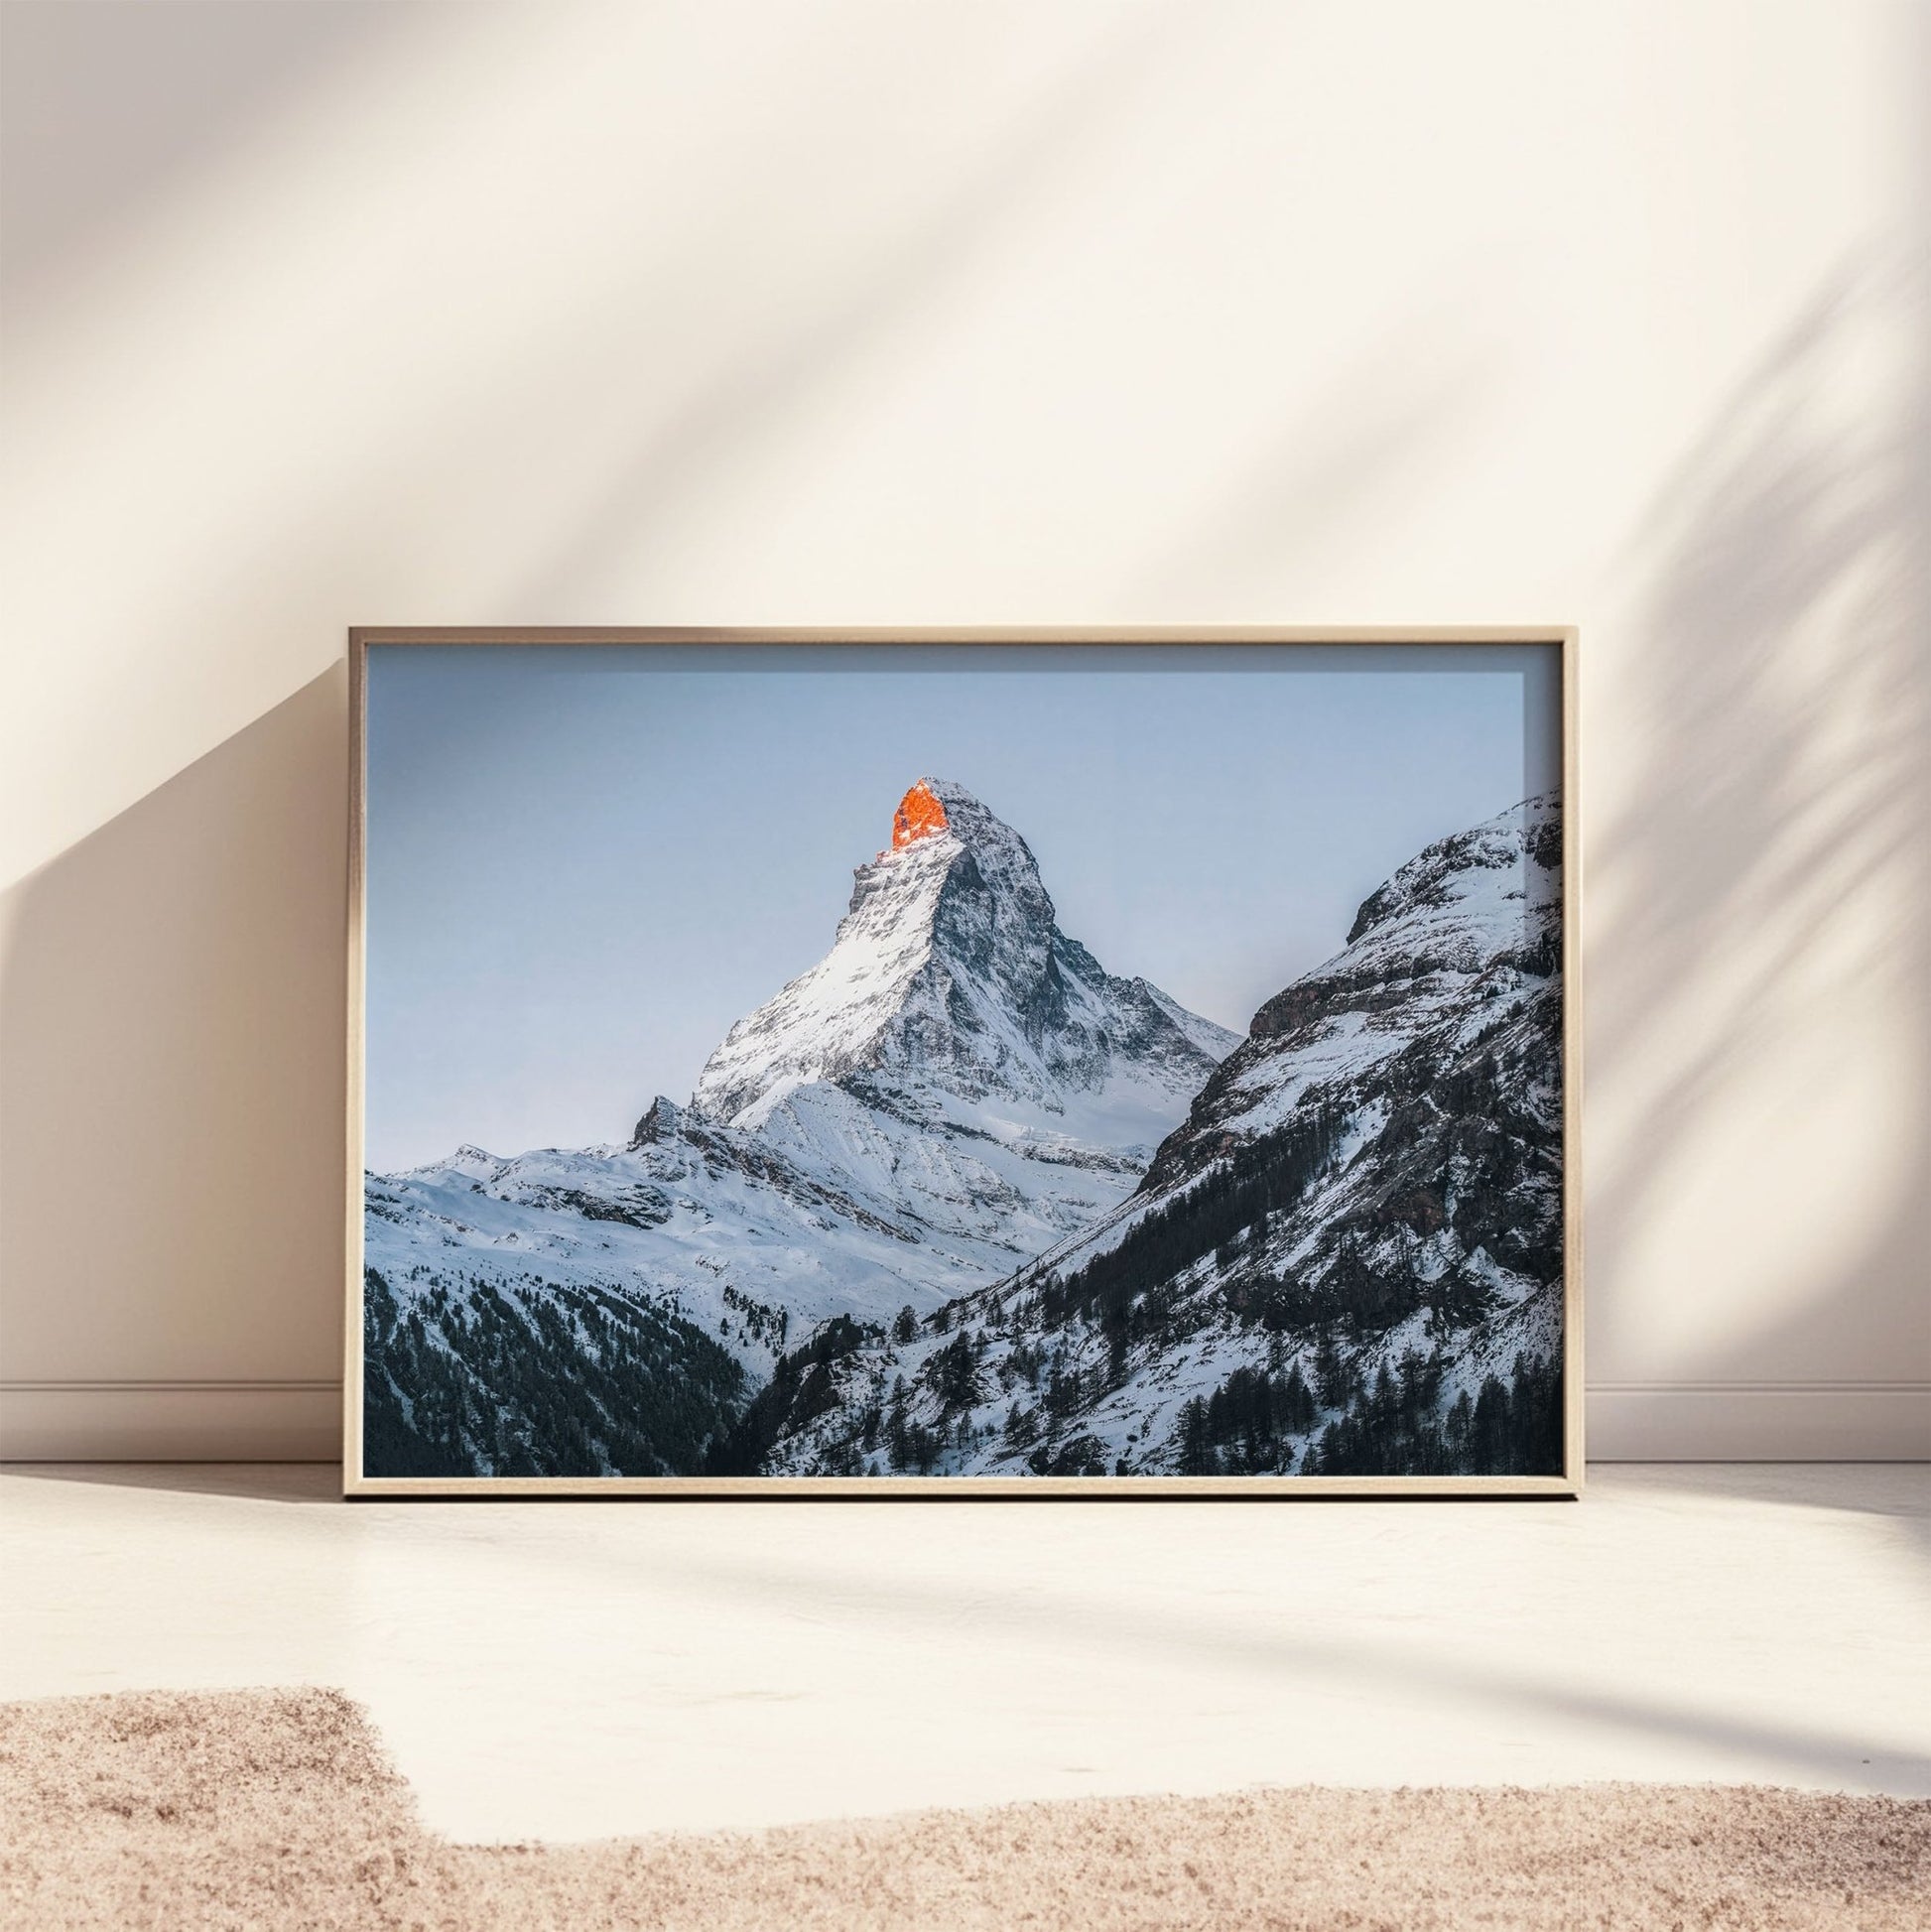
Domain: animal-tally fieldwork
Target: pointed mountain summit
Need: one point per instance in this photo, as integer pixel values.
(920, 813)
(948, 971)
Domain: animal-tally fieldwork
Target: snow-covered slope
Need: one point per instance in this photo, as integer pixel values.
(954, 1088)
(1357, 1225)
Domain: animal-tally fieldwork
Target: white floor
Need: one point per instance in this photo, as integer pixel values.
(572, 1670)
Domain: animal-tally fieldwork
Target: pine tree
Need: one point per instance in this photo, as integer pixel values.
(1488, 1437)
(1197, 1455)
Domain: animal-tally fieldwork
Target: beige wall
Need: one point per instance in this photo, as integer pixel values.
(321, 315)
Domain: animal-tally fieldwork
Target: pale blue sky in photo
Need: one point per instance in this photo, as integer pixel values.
(584, 862)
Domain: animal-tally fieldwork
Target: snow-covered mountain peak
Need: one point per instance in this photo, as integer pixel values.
(1514, 856)
(957, 893)
(468, 1162)
(949, 969)
(661, 1121)
(938, 825)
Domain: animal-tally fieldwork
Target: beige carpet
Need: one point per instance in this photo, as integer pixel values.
(270, 1809)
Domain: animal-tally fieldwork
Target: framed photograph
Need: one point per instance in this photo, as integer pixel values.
(1017, 1063)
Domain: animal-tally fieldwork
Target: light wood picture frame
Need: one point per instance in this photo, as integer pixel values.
(961, 1210)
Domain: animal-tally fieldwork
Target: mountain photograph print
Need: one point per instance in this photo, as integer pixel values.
(1119, 1063)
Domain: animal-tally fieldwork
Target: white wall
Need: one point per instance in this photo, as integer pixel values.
(465, 312)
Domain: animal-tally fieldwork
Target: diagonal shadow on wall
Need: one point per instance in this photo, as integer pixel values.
(1761, 899)
(170, 1073)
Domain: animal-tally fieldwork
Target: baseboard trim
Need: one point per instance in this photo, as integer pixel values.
(1760, 1422)
(171, 1422)
(301, 1422)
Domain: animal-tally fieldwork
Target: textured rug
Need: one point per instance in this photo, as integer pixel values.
(270, 1809)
